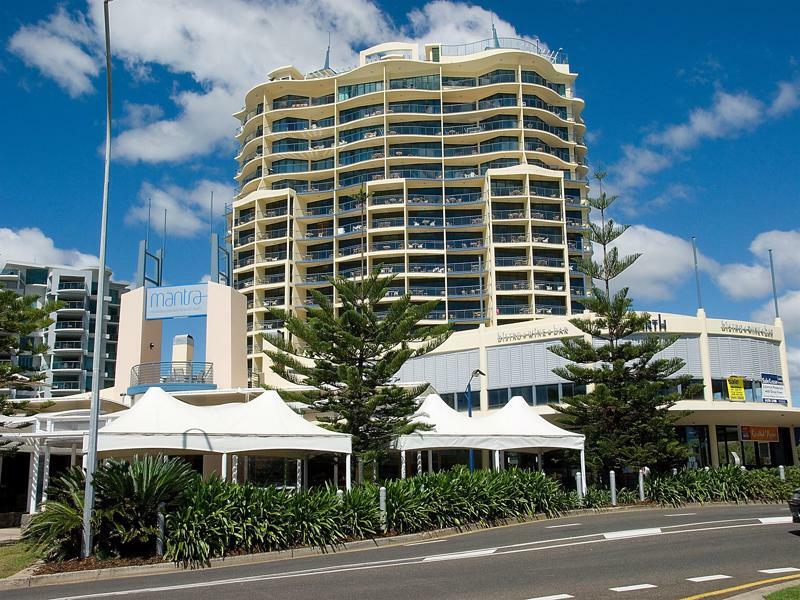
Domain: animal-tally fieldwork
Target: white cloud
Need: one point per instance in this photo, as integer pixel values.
(789, 307)
(665, 264)
(139, 115)
(752, 279)
(187, 208)
(728, 116)
(31, 245)
(786, 100)
(227, 47)
(61, 48)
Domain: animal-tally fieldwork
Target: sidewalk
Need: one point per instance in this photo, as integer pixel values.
(10, 534)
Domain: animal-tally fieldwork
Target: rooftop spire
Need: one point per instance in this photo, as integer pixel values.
(494, 34)
(328, 53)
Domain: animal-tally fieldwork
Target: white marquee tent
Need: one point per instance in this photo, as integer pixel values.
(265, 426)
(516, 427)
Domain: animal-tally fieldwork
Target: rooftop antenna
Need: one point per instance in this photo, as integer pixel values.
(494, 34)
(696, 273)
(774, 288)
(328, 53)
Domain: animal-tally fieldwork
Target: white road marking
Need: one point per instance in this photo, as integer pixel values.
(564, 525)
(421, 543)
(774, 520)
(681, 515)
(705, 578)
(779, 570)
(620, 535)
(555, 597)
(459, 555)
(633, 588)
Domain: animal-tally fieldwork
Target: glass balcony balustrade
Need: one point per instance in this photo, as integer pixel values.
(382, 246)
(354, 156)
(500, 215)
(459, 82)
(514, 309)
(321, 232)
(549, 286)
(414, 107)
(425, 199)
(509, 238)
(351, 250)
(426, 268)
(539, 125)
(546, 238)
(414, 244)
(513, 286)
(496, 103)
(378, 223)
(541, 261)
(426, 291)
(401, 129)
(282, 125)
(508, 190)
(466, 244)
(384, 200)
(315, 256)
(544, 192)
(464, 221)
(550, 310)
(348, 205)
(426, 221)
(317, 211)
(395, 151)
(353, 114)
(415, 174)
(511, 261)
(466, 267)
(466, 314)
(422, 82)
(539, 146)
(536, 79)
(463, 198)
(461, 172)
(536, 102)
(498, 76)
(465, 290)
(354, 135)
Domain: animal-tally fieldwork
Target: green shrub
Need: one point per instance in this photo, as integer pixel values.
(359, 515)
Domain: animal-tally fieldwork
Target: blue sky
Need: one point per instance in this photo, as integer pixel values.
(692, 107)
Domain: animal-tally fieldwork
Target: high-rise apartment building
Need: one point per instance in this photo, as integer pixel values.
(70, 338)
(474, 165)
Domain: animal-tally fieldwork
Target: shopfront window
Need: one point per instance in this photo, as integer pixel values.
(498, 397)
(545, 394)
(695, 437)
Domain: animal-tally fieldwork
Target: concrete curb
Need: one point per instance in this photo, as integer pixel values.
(761, 593)
(22, 580)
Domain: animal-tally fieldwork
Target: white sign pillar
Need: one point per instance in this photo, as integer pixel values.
(348, 484)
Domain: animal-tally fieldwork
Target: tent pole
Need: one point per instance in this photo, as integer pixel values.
(347, 483)
(73, 455)
(419, 462)
(540, 461)
(430, 461)
(46, 475)
(305, 473)
(583, 472)
(402, 464)
(224, 468)
(299, 474)
(497, 460)
(336, 471)
(235, 469)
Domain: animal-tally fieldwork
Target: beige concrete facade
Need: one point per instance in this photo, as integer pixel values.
(475, 167)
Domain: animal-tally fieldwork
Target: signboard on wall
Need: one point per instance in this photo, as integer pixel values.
(176, 301)
(736, 388)
(772, 389)
(750, 433)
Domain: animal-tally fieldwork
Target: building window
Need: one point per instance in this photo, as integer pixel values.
(525, 391)
(546, 394)
(568, 390)
(498, 397)
(461, 401)
(449, 399)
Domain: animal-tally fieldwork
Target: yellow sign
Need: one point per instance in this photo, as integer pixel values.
(736, 388)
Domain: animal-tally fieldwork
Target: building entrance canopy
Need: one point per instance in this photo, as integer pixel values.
(158, 422)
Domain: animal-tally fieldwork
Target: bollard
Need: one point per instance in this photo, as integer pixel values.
(579, 486)
(674, 471)
(612, 482)
(340, 496)
(161, 525)
(641, 485)
(382, 507)
(782, 472)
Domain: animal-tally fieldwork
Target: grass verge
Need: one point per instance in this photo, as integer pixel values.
(788, 594)
(14, 558)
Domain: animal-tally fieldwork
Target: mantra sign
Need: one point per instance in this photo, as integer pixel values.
(176, 301)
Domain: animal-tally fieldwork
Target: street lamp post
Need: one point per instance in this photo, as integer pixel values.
(468, 396)
(91, 462)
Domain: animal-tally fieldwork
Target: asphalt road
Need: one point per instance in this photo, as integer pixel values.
(650, 554)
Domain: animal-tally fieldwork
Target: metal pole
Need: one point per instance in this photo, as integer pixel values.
(579, 486)
(161, 526)
(782, 473)
(696, 273)
(348, 483)
(641, 485)
(612, 482)
(430, 461)
(774, 288)
(468, 397)
(94, 418)
(382, 507)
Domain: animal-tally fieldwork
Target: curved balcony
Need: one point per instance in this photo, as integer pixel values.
(172, 376)
(508, 43)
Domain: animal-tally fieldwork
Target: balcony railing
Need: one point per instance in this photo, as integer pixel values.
(69, 325)
(465, 315)
(71, 285)
(413, 107)
(469, 244)
(509, 238)
(464, 290)
(68, 346)
(425, 244)
(387, 222)
(425, 199)
(66, 385)
(384, 200)
(315, 256)
(555, 57)
(548, 262)
(66, 364)
(513, 286)
(508, 214)
(511, 261)
(515, 309)
(400, 129)
(465, 221)
(545, 215)
(426, 268)
(159, 373)
(551, 310)
(546, 286)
